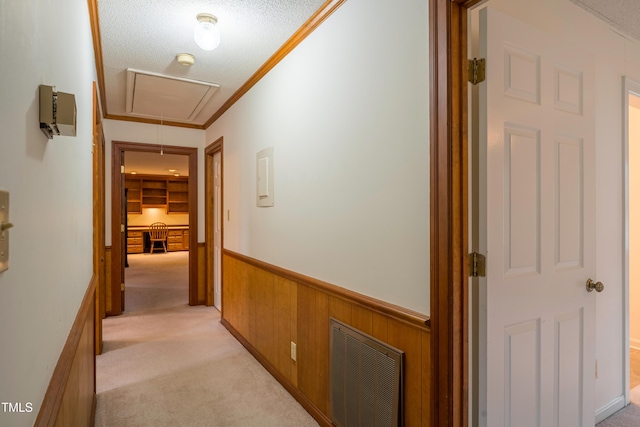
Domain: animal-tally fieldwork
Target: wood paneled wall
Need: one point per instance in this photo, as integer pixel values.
(71, 396)
(267, 307)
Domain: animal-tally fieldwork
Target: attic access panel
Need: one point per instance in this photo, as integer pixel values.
(157, 95)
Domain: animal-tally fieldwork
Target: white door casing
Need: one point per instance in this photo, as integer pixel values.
(217, 229)
(631, 103)
(537, 216)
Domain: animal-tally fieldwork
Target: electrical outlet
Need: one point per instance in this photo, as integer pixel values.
(5, 225)
(293, 351)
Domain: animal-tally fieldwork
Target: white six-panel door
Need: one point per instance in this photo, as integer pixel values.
(538, 228)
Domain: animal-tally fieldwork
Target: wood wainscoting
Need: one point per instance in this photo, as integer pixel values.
(267, 307)
(70, 399)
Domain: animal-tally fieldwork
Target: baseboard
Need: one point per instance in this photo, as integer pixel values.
(609, 409)
(312, 409)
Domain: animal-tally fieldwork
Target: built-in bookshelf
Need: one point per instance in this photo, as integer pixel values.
(146, 191)
(154, 192)
(178, 196)
(134, 195)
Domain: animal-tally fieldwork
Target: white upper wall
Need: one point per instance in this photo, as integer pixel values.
(347, 113)
(121, 131)
(43, 42)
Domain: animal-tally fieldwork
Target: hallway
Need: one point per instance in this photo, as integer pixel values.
(166, 364)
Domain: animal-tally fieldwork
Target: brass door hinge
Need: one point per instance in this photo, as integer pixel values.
(477, 265)
(476, 70)
(122, 287)
(121, 168)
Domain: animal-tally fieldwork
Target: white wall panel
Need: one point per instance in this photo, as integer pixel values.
(522, 201)
(347, 114)
(522, 74)
(569, 202)
(567, 89)
(522, 376)
(569, 329)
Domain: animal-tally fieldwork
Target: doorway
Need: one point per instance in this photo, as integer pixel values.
(118, 229)
(214, 173)
(98, 219)
(631, 375)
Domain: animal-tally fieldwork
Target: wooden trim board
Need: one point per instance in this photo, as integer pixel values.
(97, 50)
(98, 218)
(307, 28)
(449, 211)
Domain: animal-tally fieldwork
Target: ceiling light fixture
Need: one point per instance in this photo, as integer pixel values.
(186, 59)
(206, 33)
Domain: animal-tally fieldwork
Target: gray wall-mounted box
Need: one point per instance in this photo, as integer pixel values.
(57, 112)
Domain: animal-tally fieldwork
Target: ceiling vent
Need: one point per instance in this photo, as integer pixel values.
(166, 97)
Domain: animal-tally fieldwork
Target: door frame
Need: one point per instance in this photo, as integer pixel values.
(99, 267)
(630, 87)
(209, 152)
(449, 211)
(117, 183)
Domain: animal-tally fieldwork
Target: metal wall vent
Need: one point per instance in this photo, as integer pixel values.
(157, 95)
(365, 379)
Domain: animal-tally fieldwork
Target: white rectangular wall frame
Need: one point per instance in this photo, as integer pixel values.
(264, 178)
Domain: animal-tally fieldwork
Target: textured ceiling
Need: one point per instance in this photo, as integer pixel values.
(148, 34)
(624, 15)
(146, 163)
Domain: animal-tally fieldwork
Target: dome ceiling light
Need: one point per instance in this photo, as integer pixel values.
(185, 59)
(206, 33)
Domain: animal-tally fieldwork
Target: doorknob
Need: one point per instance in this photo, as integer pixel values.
(591, 285)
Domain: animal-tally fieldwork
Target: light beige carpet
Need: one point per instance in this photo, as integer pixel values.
(168, 364)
